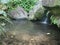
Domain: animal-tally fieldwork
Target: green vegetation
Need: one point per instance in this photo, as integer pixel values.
(26, 4)
(3, 17)
(55, 18)
(10, 5)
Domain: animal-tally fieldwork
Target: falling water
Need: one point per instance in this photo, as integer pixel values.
(46, 18)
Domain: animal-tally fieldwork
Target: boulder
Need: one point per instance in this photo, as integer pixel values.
(50, 3)
(18, 13)
(37, 11)
(55, 10)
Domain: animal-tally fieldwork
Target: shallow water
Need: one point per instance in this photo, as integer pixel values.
(30, 31)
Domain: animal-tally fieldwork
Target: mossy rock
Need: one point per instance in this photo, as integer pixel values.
(55, 19)
(36, 12)
(55, 10)
(36, 15)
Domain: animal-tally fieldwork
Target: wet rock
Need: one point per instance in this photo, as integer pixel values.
(18, 13)
(37, 11)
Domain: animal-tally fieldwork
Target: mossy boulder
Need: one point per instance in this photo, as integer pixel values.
(55, 10)
(55, 19)
(36, 12)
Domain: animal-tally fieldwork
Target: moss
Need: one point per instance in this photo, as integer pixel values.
(55, 19)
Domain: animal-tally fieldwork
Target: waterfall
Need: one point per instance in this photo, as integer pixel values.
(46, 18)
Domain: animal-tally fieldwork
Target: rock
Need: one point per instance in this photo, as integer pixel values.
(18, 13)
(55, 10)
(55, 19)
(50, 3)
(37, 11)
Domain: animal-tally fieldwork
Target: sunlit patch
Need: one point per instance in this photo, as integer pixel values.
(48, 33)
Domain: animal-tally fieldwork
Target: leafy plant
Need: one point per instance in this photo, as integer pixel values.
(55, 20)
(26, 4)
(3, 18)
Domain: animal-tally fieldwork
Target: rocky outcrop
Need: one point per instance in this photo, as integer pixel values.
(18, 13)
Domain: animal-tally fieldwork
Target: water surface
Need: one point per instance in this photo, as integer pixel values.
(34, 32)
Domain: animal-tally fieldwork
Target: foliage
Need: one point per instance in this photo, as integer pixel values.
(55, 20)
(3, 18)
(12, 4)
(26, 4)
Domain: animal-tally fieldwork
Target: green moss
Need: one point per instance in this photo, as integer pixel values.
(38, 15)
(55, 20)
(55, 10)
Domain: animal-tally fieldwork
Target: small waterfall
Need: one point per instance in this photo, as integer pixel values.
(46, 18)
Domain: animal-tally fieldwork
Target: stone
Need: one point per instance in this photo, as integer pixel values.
(55, 19)
(18, 13)
(55, 10)
(36, 11)
(50, 3)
